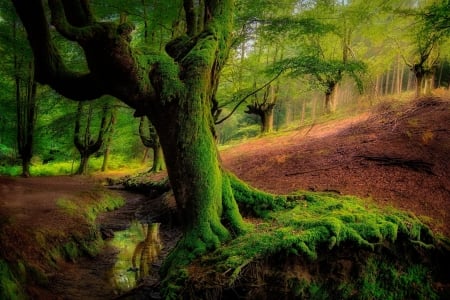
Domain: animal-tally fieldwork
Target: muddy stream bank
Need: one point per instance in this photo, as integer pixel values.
(137, 238)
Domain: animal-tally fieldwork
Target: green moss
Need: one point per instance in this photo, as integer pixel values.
(70, 250)
(318, 223)
(383, 280)
(256, 201)
(10, 288)
(68, 206)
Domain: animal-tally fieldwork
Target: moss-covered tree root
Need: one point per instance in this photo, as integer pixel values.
(319, 247)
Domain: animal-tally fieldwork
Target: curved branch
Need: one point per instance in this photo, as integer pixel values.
(247, 96)
(63, 19)
(50, 68)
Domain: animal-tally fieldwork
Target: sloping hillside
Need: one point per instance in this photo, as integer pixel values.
(398, 155)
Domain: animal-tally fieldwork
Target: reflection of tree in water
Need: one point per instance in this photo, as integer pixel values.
(146, 251)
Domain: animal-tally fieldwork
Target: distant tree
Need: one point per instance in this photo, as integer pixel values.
(25, 91)
(263, 107)
(109, 139)
(426, 31)
(84, 141)
(150, 139)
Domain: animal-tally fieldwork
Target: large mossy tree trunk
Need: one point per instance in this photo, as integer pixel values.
(178, 99)
(201, 187)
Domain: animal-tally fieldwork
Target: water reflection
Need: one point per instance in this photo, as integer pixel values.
(139, 247)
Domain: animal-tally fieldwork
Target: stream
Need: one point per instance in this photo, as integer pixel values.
(138, 240)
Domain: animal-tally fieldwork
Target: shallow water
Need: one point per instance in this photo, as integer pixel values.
(130, 259)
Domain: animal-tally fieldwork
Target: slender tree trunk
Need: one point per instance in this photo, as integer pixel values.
(330, 99)
(267, 120)
(386, 86)
(419, 84)
(302, 118)
(106, 155)
(84, 164)
(159, 163)
(377, 88)
(145, 156)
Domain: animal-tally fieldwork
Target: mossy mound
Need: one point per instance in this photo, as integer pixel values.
(148, 183)
(326, 246)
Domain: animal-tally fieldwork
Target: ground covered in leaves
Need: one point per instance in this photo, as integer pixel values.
(397, 155)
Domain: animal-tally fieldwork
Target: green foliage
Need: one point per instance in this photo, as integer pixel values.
(10, 289)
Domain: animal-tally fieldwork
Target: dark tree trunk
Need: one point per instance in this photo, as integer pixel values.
(264, 108)
(106, 154)
(330, 98)
(150, 139)
(25, 93)
(267, 120)
(84, 164)
(26, 119)
(419, 84)
(84, 142)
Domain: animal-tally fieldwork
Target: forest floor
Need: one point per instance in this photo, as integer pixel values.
(397, 155)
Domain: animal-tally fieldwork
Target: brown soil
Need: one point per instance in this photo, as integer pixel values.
(396, 156)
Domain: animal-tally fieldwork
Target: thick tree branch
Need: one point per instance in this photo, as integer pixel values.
(191, 17)
(249, 95)
(50, 68)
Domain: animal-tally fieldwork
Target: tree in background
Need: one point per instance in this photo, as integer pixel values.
(84, 141)
(20, 67)
(263, 107)
(150, 139)
(109, 138)
(26, 109)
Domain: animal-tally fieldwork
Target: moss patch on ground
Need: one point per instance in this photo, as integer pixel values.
(327, 246)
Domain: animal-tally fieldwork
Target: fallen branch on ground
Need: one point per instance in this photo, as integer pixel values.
(414, 164)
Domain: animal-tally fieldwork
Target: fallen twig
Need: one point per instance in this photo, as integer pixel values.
(414, 164)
